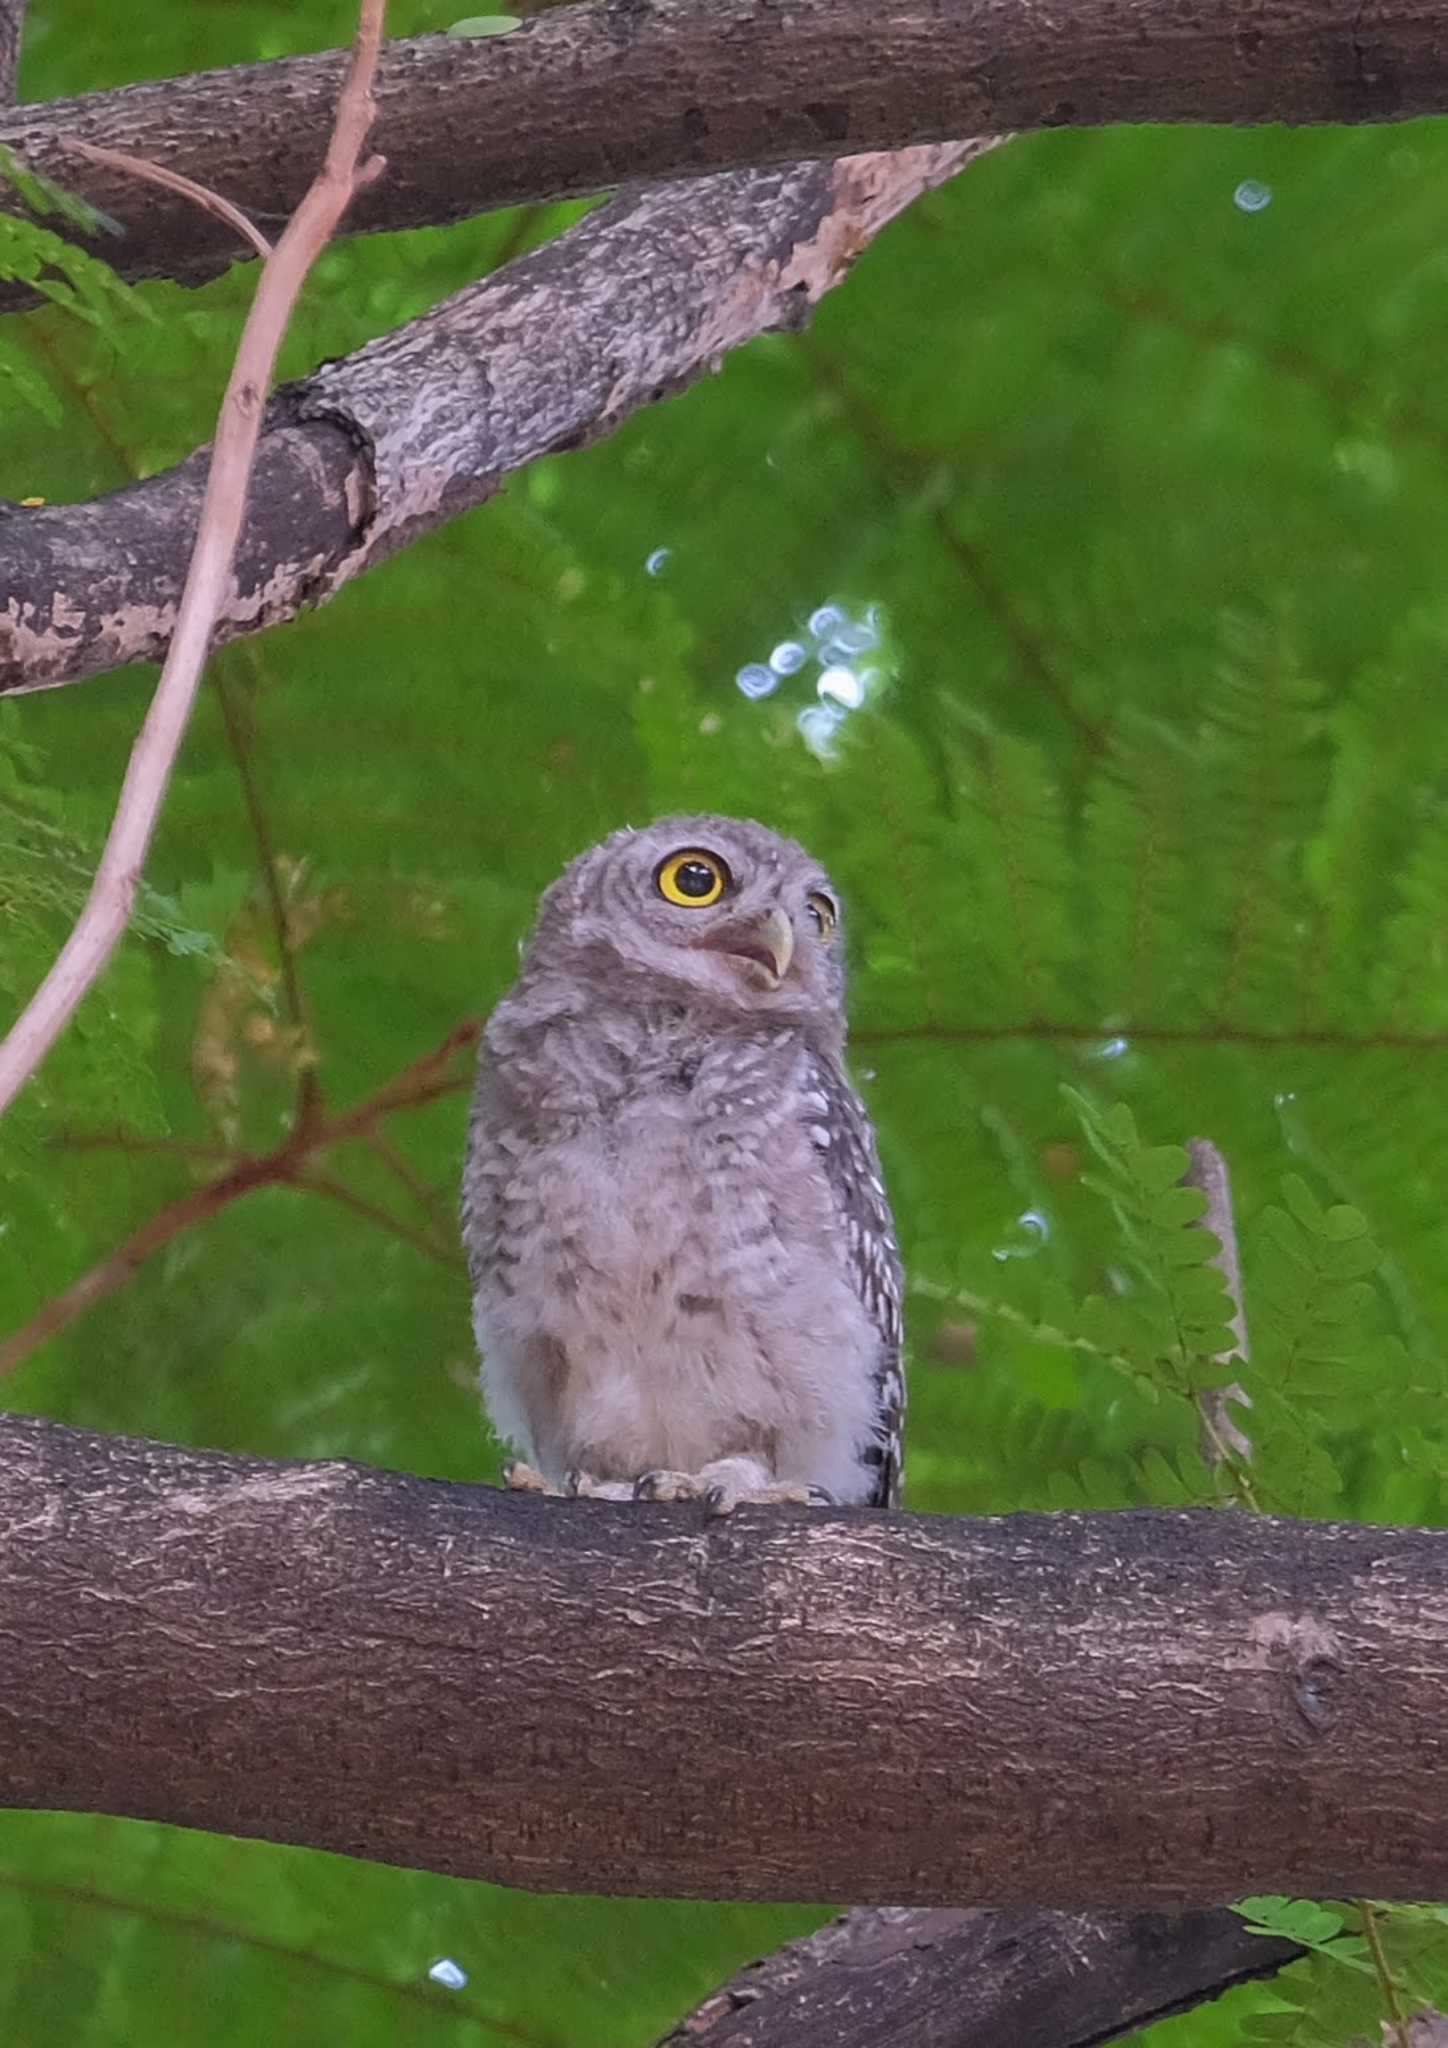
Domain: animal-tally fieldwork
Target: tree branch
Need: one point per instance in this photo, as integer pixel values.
(1137, 1710)
(374, 451)
(292, 1164)
(581, 99)
(107, 911)
(933, 1977)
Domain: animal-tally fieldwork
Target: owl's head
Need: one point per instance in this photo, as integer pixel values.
(716, 913)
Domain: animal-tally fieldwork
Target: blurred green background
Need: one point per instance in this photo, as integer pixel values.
(1106, 502)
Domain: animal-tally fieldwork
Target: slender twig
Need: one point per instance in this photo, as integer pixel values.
(309, 1102)
(1225, 1443)
(175, 181)
(119, 1266)
(108, 908)
(428, 1200)
(424, 1080)
(373, 1212)
(211, 1150)
(240, 745)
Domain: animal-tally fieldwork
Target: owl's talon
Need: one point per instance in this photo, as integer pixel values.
(581, 1485)
(723, 1500)
(661, 1484)
(521, 1477)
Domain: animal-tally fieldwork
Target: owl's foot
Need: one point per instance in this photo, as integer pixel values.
(728, 1483)
(580, 1485)
(662, 1484)
(519, 1477)
(724, 1499)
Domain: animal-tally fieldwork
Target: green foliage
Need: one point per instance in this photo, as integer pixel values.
(1181, 1328)
(1321, 1344)
(60, 271)
(41, 195)
(1141, 500)
(1337, 1994)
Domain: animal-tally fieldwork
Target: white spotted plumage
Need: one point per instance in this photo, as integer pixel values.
(682, 1253)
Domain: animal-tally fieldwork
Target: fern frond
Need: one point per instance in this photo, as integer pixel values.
(1183, 1316)
(1143, 821)
(43, 195)
(1264, 768)
(1319, 1348)
(1335, 1994)
(1010, 828)
(1409, 984)
(922, 945)
(66, 275)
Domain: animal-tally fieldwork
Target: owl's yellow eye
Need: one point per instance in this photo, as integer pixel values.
(820, 908)
(693, 879)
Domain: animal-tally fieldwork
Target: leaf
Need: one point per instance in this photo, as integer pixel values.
(1178, 1206)
(1159, 1167)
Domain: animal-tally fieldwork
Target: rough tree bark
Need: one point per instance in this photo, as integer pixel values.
(930, 1977)
(12, 27)
(1143, 1709)
(584, 98)
(360, 459)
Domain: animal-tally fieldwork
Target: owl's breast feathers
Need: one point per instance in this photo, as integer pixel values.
(680, 1249)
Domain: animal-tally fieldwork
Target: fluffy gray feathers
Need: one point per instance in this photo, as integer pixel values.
(681, 1250)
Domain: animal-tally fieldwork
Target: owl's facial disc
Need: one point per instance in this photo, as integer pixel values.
(763, 947)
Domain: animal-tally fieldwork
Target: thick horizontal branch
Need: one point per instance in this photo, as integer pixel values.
(937, 1977)
(584, 98)
(556, 350)
(1082, 1711)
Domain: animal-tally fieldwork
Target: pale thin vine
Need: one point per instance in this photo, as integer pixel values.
(108, 909)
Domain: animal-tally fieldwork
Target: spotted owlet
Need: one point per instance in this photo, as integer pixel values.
(685, 1276)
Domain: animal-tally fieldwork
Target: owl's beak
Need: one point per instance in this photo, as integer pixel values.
(765, 944)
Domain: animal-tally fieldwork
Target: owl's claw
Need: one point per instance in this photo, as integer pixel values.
(520, 1477)
(662, 1484)
(720, 1488)
(724, 1491)
(723, 1500)
(581, 1485)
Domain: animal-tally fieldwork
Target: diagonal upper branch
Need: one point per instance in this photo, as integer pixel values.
(584, 98)
(370, 453)
(1079, 1710)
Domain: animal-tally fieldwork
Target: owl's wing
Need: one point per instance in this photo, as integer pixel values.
(489, 1165)
(846, 1144)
